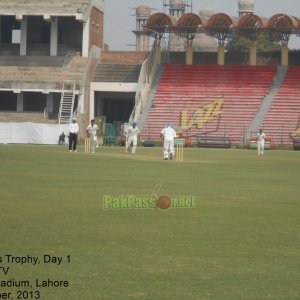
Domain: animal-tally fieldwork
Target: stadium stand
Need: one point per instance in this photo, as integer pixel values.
(219, 100)
(283, 116)
(46, 62)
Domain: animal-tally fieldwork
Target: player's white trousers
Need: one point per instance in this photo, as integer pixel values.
(93, 142)
(168, 145)
(132, 140)
(260, 147)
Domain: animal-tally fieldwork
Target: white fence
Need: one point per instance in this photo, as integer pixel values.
(31, 133)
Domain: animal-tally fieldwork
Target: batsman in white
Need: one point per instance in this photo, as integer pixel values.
(132, 137)
(168, 134)
(261, 142)
(92, 133)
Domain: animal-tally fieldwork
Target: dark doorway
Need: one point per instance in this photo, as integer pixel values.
(8, 101)
(8, 24)
(117, 109)
(115, 106)
(34, 101)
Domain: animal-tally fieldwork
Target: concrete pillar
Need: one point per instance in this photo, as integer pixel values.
(91, 109)
(189, 53)
(284, 54)
(0, 34)
(145, 42)
(100, 106)
(98, 110)
(142, 42)
(23, 44)
(86, 38)
(137, 43)
(221, 54)
(158, 52)
(54, 36)
(49, 103)
(20, 102)
(252, 54)
(80, 104)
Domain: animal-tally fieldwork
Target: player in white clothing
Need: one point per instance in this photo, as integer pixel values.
(132, 137)
(261, 142)
(168, 134)
(92, 133)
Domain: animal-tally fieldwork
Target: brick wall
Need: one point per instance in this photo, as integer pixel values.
(96, 28)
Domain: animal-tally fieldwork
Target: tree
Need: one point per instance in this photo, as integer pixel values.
(241, 44)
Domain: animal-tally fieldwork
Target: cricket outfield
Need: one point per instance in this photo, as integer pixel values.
(239, 240)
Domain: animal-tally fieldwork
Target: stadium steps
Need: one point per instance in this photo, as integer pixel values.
(38, 49)
(150, 96)
(266, 104)
(283, 116)
(31, 61)
(35, 117)
(22, 77)
(116, 73)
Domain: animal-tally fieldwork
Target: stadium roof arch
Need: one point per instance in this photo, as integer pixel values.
(189, 24)
(220, 25)
(281, 26)
(158, 23)
(250, 26)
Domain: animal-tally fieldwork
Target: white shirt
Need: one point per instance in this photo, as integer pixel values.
(169, 133)
(261, 137)
(92, 130)
(133, 131)
(74, 128)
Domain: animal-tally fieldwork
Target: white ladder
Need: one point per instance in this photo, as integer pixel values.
(66, 104)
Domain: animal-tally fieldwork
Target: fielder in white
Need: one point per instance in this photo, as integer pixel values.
(92, 133)
(261, 142)
(132, 137)
(168, 134)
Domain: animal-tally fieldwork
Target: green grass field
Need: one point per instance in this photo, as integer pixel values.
(241, 241)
